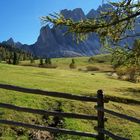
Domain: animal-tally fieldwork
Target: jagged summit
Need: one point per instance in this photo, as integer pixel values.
(92, 14)
(10, 41)
(76, 14)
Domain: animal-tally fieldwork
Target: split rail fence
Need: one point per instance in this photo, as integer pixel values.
(100, 118)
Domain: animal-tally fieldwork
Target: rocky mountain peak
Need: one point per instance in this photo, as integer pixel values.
(92, 14)
(76, 14)
(10, 41)
(104, 8)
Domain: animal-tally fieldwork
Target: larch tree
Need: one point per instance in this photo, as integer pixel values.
(112, 25)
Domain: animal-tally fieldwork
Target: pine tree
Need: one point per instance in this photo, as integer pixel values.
(41, 61)
(32, 60)
(48, 61)
(15, 59)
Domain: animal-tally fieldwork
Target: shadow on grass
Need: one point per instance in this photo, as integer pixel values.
(134, 92)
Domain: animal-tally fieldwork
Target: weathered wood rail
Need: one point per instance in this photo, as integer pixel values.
(100, 118)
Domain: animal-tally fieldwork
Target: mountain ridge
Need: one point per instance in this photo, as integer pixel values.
(52, 42)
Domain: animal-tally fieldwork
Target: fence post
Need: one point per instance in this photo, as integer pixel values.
(100, 114)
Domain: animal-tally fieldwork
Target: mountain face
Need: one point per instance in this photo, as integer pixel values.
(53, 43)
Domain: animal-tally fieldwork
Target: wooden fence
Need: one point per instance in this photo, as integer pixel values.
(100, 118)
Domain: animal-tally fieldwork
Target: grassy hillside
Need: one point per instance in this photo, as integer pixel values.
(81, 62)
(63, 79)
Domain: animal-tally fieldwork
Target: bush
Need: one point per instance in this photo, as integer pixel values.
(52, 66)
(121, 71)
(72, 64)
(80, 69)
(132, 71)
(91, 60)
(101, 61)
(128, 73)
(92, 68)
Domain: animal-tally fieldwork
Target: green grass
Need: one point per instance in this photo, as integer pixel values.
(63, 79)
(81, 62)
(69, 81)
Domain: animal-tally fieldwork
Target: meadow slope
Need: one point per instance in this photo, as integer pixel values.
(63, 79)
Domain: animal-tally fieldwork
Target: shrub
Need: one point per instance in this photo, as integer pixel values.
(53, 66)
(132, 71)
(128, 73)
(72, 64)
(80, 69)
(91, 60)
(101, 61)
(121, 71)
(92, 68)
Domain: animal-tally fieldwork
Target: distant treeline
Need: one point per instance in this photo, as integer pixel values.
(8, 52)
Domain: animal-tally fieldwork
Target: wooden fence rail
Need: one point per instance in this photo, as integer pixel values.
(100, 118)
(50, 129)
(49, 113)
(115, 137)
(123, 116)
(49, 93)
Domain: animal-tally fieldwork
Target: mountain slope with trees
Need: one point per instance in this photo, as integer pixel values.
(12, 54)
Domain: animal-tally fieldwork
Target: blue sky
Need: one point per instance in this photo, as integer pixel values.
(20, 18)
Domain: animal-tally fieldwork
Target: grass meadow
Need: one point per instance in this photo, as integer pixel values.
(63, 79)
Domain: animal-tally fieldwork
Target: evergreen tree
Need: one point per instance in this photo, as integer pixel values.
(9, 61)
(41, 61)
(7, 52)
(73, 61)
(15, 59)
(0, 58)
(48, 61)
(32, 60)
